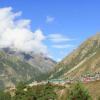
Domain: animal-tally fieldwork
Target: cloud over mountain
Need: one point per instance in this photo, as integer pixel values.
(16, 33)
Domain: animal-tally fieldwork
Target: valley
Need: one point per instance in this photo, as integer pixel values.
(38, 71)
(49, 50)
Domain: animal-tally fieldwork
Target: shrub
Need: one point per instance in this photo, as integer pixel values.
(78, 92)
(4, 96)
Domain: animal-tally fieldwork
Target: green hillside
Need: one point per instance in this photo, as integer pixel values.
(15, 67)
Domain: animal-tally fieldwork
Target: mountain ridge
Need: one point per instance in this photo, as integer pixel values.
(85, 59)
(20, 66)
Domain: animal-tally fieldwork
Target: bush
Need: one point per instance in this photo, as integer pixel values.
(78, 92)
(47, 93)
(4, 96)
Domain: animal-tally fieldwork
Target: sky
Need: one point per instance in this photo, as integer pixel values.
(54, 27)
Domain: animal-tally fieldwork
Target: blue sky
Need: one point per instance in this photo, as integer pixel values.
(71, 21)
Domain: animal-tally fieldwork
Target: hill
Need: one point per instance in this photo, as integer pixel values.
(85, 60)
(18, 66)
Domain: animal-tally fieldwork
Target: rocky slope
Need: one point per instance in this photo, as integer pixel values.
(82, 61)
(18, 66)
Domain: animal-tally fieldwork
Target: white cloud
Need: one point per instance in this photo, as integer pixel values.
(62, 46)
(49, 19)
(16, 33)
(57, 38)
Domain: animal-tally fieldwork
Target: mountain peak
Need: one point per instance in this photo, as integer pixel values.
(16, 64)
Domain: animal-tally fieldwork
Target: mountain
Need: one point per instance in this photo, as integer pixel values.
(16, 66)
(85, 60)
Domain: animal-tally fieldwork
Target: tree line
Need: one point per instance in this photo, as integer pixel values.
(46, 92)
